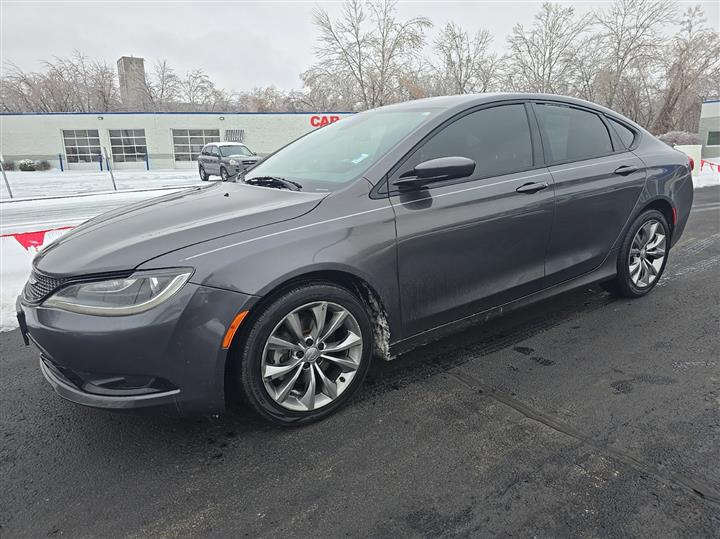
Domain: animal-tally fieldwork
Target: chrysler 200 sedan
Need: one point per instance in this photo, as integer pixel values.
(360, 240)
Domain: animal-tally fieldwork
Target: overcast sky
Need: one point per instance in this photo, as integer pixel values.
(240, 44)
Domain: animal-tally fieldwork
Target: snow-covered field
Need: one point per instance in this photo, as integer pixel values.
(56, 183)
(53, 200)
(67, 211)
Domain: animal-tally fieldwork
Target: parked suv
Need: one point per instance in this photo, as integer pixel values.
(225, 159)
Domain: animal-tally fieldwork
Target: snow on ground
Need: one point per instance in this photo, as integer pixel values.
(56, 183)
(54, 199)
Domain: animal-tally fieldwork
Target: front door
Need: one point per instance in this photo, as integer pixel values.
(465, 246)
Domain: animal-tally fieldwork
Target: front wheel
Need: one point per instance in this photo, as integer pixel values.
(306, 354)
(642, 256)
(224, 174)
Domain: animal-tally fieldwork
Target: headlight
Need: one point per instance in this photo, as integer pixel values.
(233, 162)
(120, 297)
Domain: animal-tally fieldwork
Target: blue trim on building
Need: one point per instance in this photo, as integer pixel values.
(218, 113)
(712, 100)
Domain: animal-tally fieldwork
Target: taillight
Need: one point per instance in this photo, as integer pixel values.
(692, 164)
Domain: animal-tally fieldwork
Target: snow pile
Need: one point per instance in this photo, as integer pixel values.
(15, 263)
(706, 175)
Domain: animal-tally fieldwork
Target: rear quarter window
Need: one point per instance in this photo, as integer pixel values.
(627, 136)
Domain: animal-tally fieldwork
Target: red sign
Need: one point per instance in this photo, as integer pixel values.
(319, 121)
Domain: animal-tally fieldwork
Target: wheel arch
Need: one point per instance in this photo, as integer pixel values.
(664, 206)
(351, 281)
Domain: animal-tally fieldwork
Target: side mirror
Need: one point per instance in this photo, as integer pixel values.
(437, 170)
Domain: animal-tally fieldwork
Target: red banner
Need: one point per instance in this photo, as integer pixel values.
(34, 239)
(712, 166)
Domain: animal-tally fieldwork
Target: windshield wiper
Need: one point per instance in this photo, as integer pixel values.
(274, 181)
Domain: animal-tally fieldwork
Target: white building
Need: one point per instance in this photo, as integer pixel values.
(152, 140)
(710, 128)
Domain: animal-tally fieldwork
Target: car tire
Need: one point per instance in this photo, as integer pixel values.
(260, 357)
(224, 174)
(203, 175)
(642, 257)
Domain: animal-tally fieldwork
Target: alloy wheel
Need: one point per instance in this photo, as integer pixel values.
(312, 356)
(647, 253)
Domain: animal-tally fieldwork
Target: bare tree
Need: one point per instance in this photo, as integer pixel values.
(163, 86)
(541, 57)
(75, 84)
(197, 90)
(373, 51)
(694, 52)
(465, 64)
(629, 35)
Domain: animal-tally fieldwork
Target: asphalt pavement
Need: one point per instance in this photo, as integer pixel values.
(582, 415)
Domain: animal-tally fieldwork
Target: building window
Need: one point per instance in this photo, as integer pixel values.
(128, 145)
(713, 138)
(188, 143)
(234, 135)
(82, 145)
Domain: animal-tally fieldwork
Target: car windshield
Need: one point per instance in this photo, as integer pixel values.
(234, 149)
(331, 156)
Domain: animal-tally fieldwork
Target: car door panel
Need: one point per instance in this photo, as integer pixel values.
(592, 205)
(465, 248)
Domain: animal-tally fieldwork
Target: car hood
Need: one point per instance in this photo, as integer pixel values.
(243, 157)
(128, 236)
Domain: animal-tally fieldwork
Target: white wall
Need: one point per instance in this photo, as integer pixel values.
(39, 136)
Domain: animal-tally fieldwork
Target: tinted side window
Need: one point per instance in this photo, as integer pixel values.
(626, 135)
(212, 150)
(497, 139)
(572, 134)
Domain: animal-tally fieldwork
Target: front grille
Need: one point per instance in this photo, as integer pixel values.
(39, 286)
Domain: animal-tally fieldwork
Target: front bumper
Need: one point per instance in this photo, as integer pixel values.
(169, 357)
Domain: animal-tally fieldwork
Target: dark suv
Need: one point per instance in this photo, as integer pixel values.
(225, 159)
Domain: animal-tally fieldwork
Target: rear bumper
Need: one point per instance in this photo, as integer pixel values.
(169, 358)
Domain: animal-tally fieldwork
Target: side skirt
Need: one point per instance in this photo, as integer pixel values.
(606, 271)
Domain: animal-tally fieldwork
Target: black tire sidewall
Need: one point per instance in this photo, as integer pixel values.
(624, 281)
(224, 174)
(249, 375)
(203, 174)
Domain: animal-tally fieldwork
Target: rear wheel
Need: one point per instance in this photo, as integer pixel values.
(306, 354)
(203, 175)
(642, 256)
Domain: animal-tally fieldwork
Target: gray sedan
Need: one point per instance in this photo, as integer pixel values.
(361, 240)
(225, 159)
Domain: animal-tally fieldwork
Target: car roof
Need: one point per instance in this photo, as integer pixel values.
(452, 104)
(225, 144)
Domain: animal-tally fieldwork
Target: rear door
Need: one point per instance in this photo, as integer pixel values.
(470, 244)
(597, 184)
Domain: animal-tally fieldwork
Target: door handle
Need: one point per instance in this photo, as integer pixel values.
(625, 170)
(530, 188)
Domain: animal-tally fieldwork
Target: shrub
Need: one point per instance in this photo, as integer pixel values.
(26, 165)
(8, 165)
(680, 138)
(42, 165)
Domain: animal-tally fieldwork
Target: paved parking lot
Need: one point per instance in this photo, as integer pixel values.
(579, 416)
